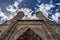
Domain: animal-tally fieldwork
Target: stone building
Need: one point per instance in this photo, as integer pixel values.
(17, 29)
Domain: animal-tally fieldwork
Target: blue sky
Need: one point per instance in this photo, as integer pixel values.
(31, 4)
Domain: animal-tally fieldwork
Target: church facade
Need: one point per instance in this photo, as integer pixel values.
(17, 29)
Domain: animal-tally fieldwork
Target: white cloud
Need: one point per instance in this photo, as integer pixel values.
(44, 8)
(2, 14)
(55, 16)
(11, 7)
(27, 13)
(4, 17)
(34, 17)
(39, 1)
(57, 3)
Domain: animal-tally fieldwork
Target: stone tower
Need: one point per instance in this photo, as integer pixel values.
(17, 29)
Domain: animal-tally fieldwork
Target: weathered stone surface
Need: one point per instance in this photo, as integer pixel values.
(30, 30)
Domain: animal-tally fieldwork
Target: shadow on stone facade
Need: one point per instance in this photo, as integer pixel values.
(29, 35)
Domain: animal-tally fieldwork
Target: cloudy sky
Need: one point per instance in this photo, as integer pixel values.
(49, 8)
